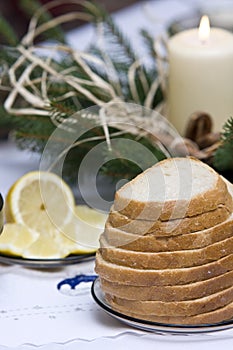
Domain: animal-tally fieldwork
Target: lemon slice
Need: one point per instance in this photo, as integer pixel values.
(15, 238)
(42, 204)
(90, 216)
(82, 234)
(45, 247)
(41, 201)
(74, 247)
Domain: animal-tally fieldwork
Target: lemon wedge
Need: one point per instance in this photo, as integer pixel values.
(82, 233)
(90, 216)
(45, 223)
(45, 247)
(40, 201)
(73, 247)
(15, 238)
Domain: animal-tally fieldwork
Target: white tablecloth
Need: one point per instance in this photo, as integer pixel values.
(33, 311)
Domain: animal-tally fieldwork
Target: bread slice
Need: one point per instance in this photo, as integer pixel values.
(177, 308)
(224, 313)
(166, 260)
(151, 243)
(183, 292)
(172, 189)
(167, 277)
(172, 227)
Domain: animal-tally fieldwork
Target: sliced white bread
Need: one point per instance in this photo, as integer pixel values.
(219, 315)
(166, 260)
(166, 277)
(172, 227)
(183, 292)
(178, 308)
(172, 189)
(151, 243)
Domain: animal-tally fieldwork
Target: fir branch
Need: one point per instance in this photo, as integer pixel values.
(8, 54)
(32, 132)
(149, 43)
(76, 82)
(114, 38)
(96, 10)
(8, 33)
(30, 7)
(223, 158)
(122, 162)
(117, 37)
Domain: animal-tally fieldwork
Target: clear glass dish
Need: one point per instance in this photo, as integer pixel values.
(99, 298)
(46, 263)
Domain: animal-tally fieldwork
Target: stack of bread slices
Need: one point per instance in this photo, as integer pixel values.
(166, 254)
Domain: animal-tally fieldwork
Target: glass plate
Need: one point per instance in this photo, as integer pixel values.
(99, 298)
(46, 263)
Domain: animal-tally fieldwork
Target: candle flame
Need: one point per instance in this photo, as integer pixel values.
(204, 29)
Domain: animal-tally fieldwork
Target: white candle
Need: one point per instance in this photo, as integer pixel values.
(200, 76)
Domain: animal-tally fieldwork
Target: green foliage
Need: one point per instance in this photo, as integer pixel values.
(223, 158)
(149, 43)
(7, 32)
(128, 159)
(30, 7)
(122, 56)
(32, 132)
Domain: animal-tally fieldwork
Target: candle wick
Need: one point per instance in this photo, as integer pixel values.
(204, 29)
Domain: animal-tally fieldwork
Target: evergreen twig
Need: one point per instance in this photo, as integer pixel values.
(7, 32)
(149, 43)
(32, 131)
(223, 158)
(30, 7)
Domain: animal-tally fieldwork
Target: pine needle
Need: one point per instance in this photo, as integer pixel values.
(30, 7)
(8, 32)
(223, 158)
(45, 92)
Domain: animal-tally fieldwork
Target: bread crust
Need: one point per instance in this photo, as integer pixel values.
(175, 260)
(172, 227)
(151, 243)
(167, 277)
(169, 293)
(172, 209)
(167, 260)
(209, 318)
(178, 308)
